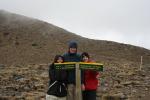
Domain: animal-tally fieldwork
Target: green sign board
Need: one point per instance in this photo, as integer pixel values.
(68, 66)
(91, 66)
(82, 66)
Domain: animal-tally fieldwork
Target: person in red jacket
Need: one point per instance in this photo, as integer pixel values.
(90, 80)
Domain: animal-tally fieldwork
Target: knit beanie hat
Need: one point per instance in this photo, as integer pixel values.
(73, 44)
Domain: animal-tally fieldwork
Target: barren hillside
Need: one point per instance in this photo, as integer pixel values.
(28, 45)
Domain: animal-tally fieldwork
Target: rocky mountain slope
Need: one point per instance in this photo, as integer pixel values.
(28, 45)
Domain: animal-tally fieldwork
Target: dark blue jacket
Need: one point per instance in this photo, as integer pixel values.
(57, 75)
(68, 57)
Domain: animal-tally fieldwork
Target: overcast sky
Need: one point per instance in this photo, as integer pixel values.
(124, 21)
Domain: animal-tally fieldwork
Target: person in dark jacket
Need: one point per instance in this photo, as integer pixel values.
(90, 80)
(72, 56)
(57, 85)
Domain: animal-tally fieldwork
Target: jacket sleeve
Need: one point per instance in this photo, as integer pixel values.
(52, 73)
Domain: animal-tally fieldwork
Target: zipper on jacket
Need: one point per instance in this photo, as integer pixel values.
(52, 85)
(60, 88)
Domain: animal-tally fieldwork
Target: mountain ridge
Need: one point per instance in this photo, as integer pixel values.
(31, 36)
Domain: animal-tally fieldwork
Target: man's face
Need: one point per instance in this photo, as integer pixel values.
(73, 50)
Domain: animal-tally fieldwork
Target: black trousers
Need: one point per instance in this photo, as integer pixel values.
(89, 95)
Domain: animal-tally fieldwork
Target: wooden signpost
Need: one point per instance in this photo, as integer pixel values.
(78, 66)
(78, 92)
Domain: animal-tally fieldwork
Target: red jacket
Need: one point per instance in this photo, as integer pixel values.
(90, 80)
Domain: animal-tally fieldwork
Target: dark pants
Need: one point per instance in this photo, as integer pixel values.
(89, 95)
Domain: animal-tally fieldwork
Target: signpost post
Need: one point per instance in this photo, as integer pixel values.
(78, 67)
(78, 83)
